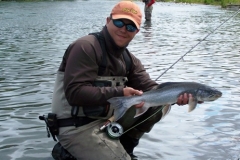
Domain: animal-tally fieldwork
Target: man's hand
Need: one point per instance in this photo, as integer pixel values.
(184, 98)
(128, 91)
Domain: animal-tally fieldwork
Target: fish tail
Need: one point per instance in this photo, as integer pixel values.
(120, 106)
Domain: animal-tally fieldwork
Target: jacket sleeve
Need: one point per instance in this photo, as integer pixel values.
(138, 78)
(80, 71)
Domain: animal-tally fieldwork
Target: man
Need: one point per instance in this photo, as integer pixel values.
(90, 74)
(148, 9)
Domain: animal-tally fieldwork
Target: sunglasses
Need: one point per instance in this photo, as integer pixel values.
(129, 27)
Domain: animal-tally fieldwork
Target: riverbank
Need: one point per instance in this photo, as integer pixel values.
(222, 3)
(234, 7)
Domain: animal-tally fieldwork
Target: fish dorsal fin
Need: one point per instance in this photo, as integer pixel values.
(166, 84)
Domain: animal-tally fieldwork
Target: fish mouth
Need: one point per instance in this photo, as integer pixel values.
(219, 95)
(214, 97)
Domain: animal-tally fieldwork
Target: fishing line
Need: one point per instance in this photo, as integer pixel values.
(160, 109)
(197, 44)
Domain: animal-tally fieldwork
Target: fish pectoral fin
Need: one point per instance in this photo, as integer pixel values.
(119, 105)
(140, 111)
(118, 113)
(166, 109)
(192, 104)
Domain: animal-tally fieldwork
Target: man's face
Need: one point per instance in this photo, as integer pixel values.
(121, 36)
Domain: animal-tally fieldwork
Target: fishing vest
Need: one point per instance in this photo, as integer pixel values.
(61, 106)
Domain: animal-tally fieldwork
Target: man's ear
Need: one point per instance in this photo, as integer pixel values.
(108, 20)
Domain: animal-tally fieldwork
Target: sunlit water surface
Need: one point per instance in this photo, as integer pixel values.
(34, 36)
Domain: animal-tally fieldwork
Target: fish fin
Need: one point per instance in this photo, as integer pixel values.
(140, 111)
(192, 104)
(166, 109)
(162, 85)
(119, 105)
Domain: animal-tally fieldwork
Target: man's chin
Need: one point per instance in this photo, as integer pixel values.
(122, 44)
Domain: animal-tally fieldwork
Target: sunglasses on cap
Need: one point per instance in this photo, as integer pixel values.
(129, 27)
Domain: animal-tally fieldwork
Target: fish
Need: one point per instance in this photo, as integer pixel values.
(165, 94)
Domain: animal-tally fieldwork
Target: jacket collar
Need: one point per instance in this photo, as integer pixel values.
(111, 46)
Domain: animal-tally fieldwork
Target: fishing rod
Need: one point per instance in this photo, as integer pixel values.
(181, 58)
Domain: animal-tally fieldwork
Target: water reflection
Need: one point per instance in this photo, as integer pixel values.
(147, 24)
(34, 36)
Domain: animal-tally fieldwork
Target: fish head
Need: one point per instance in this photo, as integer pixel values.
(207, 93)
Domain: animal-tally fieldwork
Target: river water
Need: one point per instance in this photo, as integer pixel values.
(34, 36)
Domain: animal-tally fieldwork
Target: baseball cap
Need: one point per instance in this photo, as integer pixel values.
(127, 10)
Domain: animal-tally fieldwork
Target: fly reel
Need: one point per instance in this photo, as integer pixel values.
(114, 130)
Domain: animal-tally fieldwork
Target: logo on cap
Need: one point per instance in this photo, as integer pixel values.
(129, 10)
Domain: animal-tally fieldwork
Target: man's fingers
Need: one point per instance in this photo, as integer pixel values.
(185, 98)
(179, 100)
(128, 91)
(137, 92)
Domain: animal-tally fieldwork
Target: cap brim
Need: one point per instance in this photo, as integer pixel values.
(120, 16)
